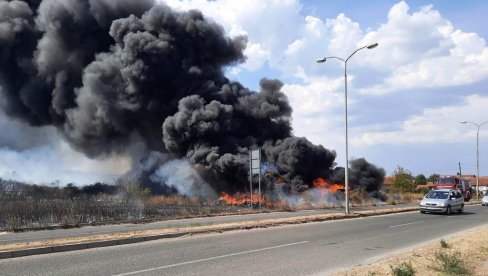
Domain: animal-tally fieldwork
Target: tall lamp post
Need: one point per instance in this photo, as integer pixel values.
(477, 155)
(322, 60)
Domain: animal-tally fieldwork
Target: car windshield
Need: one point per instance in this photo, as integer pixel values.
(438, 195)
(446, 180)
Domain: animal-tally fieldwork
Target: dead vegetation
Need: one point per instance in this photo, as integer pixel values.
(25, 206)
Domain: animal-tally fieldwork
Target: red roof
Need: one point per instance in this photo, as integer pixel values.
(483, 181)
(389, 180)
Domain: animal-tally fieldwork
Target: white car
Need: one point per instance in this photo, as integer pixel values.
(484, 200)
(442, 201)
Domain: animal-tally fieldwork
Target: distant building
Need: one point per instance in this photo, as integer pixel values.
(483, 186)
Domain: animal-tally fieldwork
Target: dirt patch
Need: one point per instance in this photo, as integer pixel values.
(470, 248)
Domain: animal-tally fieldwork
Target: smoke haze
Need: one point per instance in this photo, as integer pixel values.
(135, 78)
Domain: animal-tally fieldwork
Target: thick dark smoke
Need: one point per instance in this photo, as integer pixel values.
(108, 74)
(362, 174)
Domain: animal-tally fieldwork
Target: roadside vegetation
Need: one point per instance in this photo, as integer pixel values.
(450, 263)
(29, 206)
(43, 206)
(403, 269)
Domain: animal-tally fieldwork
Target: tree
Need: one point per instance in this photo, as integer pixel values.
(99, 188)
(403, 180)
(420, 179)
(433, 177)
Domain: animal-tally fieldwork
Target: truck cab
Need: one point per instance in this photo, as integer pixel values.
(462, 184)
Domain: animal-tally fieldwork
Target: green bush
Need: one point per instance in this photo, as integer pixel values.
(450, 264)
(404, 269)
(444, 244)
(404, 181)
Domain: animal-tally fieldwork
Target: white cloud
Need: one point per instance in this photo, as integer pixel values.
(256, 56)
(344, 35)
(417, 49)
(315, 111)
(269, 25)
(422, 49)
(434, 125)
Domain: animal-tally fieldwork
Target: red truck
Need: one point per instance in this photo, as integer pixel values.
(455, 182)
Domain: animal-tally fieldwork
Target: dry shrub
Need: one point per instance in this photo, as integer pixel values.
(17, 214)
(171, 200)
(412, 197)
(360, 197)
(407, 197)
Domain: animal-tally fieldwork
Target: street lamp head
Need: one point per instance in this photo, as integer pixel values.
(372, 46)
(322, 60)
(463, 122)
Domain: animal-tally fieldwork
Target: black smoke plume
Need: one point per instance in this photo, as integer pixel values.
(362, 174)
(108, 74)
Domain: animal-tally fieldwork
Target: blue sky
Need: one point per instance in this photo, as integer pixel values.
(406, 97)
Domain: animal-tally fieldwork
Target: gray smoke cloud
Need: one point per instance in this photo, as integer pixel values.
(134, 77)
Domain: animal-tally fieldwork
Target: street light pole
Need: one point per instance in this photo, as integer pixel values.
(477, 155)
(346, 177)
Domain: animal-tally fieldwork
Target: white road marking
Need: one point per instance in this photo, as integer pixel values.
(399, 225)
(3, 233)
(211, 258)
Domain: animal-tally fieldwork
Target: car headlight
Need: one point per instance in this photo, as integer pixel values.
(441, 204)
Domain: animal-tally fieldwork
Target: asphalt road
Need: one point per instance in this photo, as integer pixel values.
(307, 249)
(10, 237)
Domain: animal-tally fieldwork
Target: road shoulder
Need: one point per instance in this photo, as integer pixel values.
(469, 247)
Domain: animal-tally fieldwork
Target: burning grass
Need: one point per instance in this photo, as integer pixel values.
(25, 213)
(133, 204)
(322, 195)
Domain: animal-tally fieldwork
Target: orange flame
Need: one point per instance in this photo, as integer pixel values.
(238, 199)
(280, 180)
(321, 184)
(242, 199)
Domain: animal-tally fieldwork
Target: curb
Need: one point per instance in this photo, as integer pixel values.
(81, 246)
(223, 228)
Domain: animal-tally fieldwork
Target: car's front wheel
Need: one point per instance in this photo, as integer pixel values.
(448, 210)
(461, 210)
